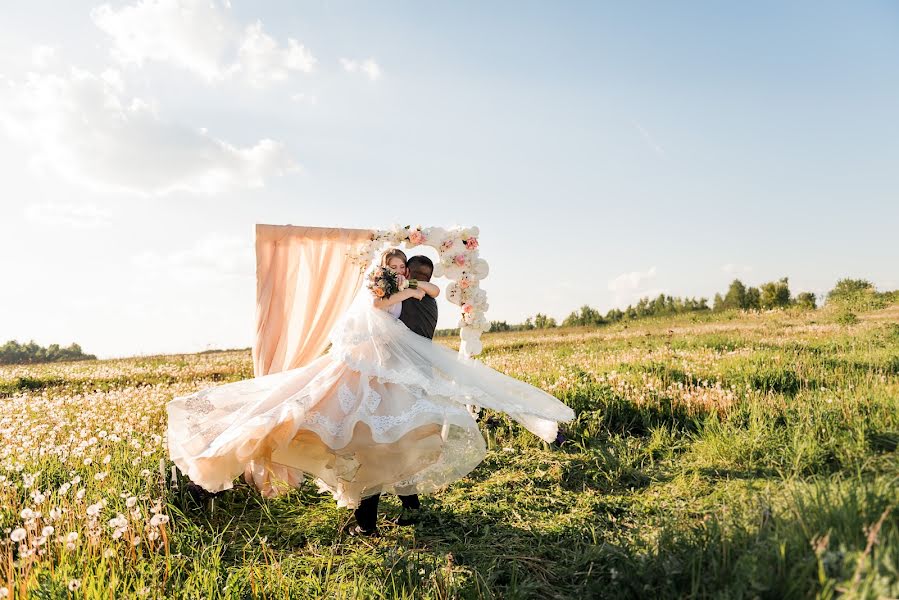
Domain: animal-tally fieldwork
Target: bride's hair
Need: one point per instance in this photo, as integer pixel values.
(390, 253)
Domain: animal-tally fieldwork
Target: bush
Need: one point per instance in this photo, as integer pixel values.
(859, 295)
(847, 318)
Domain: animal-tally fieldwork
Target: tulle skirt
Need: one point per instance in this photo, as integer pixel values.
(384, 410)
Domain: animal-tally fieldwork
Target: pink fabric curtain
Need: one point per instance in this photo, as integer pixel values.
(304, 282)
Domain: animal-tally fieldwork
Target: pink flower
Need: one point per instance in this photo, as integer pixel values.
(460, 260)
(464, 283)
(467, 308)
(471, 243)
(417, 237)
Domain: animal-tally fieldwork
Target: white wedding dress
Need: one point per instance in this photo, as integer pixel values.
(383, 410)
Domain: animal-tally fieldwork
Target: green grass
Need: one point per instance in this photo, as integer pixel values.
(741, 456)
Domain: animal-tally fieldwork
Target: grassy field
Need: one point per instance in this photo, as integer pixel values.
(725, 456)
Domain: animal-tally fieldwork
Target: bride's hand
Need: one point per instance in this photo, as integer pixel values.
(416, 293)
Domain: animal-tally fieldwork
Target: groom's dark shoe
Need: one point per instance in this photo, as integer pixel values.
(409, 516)
(411, 510)
(357, 530)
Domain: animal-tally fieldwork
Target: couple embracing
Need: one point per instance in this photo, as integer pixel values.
(384, 410)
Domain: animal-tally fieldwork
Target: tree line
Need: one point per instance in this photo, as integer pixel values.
(14, 353)
(855, 294)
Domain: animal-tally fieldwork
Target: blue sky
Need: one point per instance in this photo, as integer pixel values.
(606, 150)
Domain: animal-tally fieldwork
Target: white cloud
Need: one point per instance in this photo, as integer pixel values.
(200, 36)
(368, 67)
(83, 126)
(303, 98)
(632, 286)
(736, 269)
(65, 215)
(43, 56)
(214, 258)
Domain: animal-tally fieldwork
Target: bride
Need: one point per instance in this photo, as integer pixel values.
(383, 410)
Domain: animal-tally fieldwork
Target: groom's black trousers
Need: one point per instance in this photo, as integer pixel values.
(367, 513)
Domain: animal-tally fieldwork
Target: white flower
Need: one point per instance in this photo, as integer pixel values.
(94, 509)
(130, 502)
(74, 584)
(27, 513)
(158, 519)
(72, 536)
(119, 521)
(47, 531)
(17, 535)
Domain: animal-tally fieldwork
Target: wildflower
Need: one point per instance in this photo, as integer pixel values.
(18, 534)
(158, 520)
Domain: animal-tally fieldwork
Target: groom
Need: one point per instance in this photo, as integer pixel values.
(421, 317)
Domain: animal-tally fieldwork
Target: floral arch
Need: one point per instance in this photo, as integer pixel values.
(306, 277)
(458, 261)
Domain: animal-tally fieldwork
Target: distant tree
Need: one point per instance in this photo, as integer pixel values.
(775, 294)
(848, 289)
(736, 295)
(586, 316)
(614, 315)
(718, 302)
(499, 326)
(860, 294)
(753, 299)
(806, 300)
(542, 321)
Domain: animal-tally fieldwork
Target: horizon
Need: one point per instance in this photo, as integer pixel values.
(606, 152)
(821, 300)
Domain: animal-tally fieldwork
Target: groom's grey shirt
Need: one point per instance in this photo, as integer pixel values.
(420, 316)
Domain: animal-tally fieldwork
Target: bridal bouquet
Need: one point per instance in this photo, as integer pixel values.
(383, 282)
